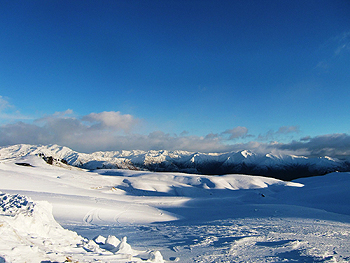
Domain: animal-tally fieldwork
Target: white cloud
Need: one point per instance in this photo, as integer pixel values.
(111, 119)
(98, 131)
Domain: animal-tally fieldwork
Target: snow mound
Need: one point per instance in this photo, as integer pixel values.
(189, 185)
(29, 233)
(15, 204)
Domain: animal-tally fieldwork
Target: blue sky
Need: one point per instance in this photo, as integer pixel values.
(190, 75)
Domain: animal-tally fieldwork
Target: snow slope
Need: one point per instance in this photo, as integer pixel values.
(186, 217)
(286, 167)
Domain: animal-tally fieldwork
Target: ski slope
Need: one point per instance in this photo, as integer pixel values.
(60, 213)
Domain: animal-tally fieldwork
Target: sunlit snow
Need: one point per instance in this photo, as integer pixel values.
(58, 213)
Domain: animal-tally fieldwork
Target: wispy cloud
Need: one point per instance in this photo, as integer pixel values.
(237, 132)
(230, 134)
(288, 129)
(283, 131)
(4, 104)
(343, 43)
(334, 49)
(9, 112)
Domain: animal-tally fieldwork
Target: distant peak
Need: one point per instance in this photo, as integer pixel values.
(246, 153)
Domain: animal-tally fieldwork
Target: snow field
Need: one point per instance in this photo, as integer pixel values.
(241, 240)
(29, 233)
(186, 218)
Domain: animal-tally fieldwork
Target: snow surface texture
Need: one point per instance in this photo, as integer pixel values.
(168, 217)
(285, 167)
(29, 233)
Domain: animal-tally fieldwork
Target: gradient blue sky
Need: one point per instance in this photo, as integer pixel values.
(205, 74)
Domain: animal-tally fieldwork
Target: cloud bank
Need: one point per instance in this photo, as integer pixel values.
(107, 131)
(335, 145)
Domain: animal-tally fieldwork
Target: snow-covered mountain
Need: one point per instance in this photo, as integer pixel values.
(286, 167)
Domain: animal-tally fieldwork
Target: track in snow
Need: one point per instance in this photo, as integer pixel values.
(240, 240)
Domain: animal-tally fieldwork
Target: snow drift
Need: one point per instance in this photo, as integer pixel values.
(29, 233)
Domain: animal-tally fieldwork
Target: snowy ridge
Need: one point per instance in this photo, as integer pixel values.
(285, 167)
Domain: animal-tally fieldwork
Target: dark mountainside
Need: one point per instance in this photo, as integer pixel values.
(286, 172)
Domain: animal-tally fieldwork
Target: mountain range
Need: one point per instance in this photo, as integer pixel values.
(280, 166)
